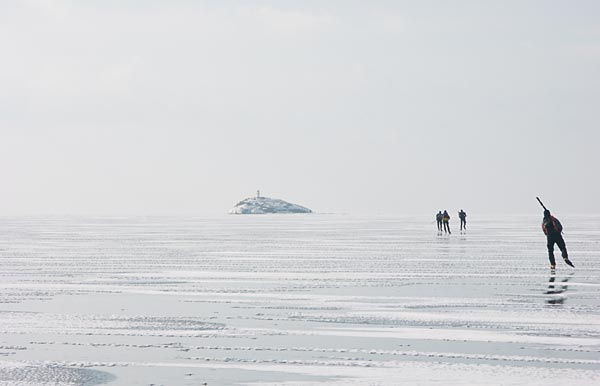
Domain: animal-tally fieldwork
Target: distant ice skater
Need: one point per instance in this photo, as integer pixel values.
(463, 219)
(438, 219)
(446, 221)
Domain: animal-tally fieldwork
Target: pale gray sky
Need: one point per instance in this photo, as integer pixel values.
(186, 107)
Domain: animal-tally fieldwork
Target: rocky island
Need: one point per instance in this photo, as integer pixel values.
(263, 205)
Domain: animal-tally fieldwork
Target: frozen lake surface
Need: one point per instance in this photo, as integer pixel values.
(296, 300)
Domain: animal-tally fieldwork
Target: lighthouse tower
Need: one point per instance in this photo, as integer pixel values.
(258, 194)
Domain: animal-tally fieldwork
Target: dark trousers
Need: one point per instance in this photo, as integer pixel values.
(463, 224)
(447, 227)
(560, 242)
(439, 224)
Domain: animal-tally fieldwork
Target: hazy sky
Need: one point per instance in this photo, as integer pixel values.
(186, 107)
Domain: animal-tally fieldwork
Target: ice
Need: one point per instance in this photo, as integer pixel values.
(296, 300)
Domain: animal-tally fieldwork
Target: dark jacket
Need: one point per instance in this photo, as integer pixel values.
(551, 226)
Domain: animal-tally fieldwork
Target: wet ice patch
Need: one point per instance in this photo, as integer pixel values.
(23, 374)
(77, 324)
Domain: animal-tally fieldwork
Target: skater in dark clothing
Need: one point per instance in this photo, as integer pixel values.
(463, 219)
(552, 229)
(446, 221)
(438, 219)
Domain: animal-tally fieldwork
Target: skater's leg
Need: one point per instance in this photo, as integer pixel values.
(563, 250)
(560, 242)
(551, 252)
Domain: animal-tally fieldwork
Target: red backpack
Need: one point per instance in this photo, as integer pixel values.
(551, 225)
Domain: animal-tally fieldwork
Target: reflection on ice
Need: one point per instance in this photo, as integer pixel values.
(557, 291)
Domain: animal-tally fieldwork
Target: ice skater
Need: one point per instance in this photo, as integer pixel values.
(438, 219)
(446, 222)
(553, 230)
(462, 215)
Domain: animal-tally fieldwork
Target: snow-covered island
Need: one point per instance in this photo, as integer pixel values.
(263, 205)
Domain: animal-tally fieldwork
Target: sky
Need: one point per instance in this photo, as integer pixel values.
(343, 106)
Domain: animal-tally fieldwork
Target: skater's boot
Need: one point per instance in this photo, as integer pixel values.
(552, 267)
(566, 259)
